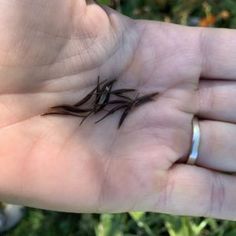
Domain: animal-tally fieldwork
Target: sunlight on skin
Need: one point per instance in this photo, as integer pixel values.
(49, 57)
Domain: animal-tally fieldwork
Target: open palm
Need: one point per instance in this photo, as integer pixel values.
(52, 53)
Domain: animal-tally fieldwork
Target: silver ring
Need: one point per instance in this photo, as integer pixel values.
(195, 142)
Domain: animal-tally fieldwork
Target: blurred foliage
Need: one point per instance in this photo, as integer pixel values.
(46, 223)
(219, 13)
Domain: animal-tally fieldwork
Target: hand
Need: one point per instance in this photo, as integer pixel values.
(52, 53)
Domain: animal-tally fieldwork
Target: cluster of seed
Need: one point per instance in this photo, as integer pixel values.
(101, 98)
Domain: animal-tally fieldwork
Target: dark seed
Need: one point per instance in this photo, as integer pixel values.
(106, 90)
(111, 112)
(112, 102)
(71, 108)
(90, 94)
(85, 99)
(104, 97)
(144, 99)
(124, 115)
(103, 92)
(82, 121)
(123, 96)
(120, 91)
(98, 89)
(62, 113)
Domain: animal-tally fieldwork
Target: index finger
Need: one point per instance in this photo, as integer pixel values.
(218, 52)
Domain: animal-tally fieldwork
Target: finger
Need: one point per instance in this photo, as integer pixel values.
(217, 146)
(218, 49)
(217, 100)
(196, 191)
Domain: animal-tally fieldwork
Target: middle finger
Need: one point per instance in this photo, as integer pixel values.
(217, 100)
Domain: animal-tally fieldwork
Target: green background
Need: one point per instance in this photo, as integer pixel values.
(46, 223)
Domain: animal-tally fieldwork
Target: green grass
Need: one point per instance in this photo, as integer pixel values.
(46, 223)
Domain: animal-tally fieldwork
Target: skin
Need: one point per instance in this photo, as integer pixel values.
(51, 53)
